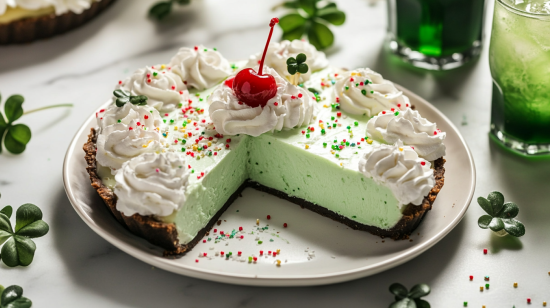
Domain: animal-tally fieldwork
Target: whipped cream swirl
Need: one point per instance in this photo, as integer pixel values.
(278, 53)
(399, 168)
(60, 6)
(152, 184)
(200, 67)
(121, 142)
(363, 91)
(144, 116)
(291, 107)
(412, 129)
(164, 89)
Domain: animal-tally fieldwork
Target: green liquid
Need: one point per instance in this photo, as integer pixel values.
(439, 28)
(520, 66)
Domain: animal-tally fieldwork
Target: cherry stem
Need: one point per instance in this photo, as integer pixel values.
(271, 24)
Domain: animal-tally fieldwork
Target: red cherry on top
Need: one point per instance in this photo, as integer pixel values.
(254, 88)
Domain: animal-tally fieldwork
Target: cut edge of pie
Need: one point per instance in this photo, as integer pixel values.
(165, 235)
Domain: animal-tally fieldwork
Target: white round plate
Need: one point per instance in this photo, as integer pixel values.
(314, 250)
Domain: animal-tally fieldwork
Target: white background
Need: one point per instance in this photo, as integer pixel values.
(74, 267)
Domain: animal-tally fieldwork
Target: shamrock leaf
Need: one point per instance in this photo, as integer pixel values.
(308, 19)
(15, 137)
(409, 299)
(163, 8)
(12, 297)
(501, 218)
(297, 66)
(18, 247)
(123, 97)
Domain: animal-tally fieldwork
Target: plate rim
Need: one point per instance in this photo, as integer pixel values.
(273, 280)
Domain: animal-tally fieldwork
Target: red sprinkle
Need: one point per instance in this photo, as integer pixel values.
(255, 259)
(471, 278)
(221, 253)
(274, 254)
(268, 216)
(300, 95)
(261, 252)
(228, 140)
(528, 301)
(338, 114)
(485, 251)
(240, 228)
(120, 82)
(196, 260)
(423, 163)
(239, 253)
(242, 237)
(285, 225)
(204, 241)
(173, 87)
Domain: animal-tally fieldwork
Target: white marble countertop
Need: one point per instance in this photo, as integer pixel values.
(74, 267)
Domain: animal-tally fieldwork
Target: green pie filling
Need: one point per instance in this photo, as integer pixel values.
(291, 162)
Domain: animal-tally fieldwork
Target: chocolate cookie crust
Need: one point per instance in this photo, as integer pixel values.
(35, 28)
(165, 234)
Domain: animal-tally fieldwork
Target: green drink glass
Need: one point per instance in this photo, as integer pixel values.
(519, 57)
(436, 34)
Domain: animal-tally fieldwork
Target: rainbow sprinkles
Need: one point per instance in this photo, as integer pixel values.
(345, 144)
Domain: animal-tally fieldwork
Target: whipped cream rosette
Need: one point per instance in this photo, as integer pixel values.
(412, 129)
(164, 89)
(119, 143)
(152, 184)
(144, 116)
(291, 107)
(278, 53)
(363, 91)
(398, 167)
(199, 67)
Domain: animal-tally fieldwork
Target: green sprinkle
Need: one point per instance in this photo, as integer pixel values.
(200, 99)
(183, 149)
(172, 121)
(486, 286)
(353, 216)
(332, 118)
(334, 125)
(396, 113)
(324, 144)
(307, 135)
(356, 123)
(184, 124)
(119, 121)
(259, 242)
(271, 240)
(364, 92)
(347, 88)
(371, 92)
(205, 49)
(337, 155)
(356, 84)
(184, 141)
(249, 259)
(465, 304)
(192, 170)
(164, 120)
(197, 94)
(335, 140)
(155, 74)
(323, 131)
(215, 49)
(348, 127)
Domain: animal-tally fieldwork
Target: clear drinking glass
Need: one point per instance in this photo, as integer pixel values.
(519, 57)
(436, 34)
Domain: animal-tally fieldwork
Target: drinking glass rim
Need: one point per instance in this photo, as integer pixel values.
(523, 13)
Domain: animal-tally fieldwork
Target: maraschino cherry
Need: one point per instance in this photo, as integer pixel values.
(255, 89)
